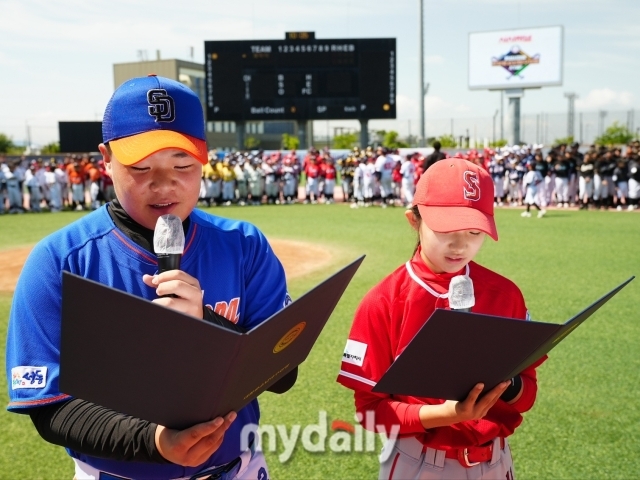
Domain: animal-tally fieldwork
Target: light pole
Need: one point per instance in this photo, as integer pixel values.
(495, 115)
(421, 76)
(571, 114)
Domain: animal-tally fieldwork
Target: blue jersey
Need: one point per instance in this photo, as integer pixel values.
(241, 277)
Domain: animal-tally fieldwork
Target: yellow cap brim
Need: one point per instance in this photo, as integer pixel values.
(134, 149)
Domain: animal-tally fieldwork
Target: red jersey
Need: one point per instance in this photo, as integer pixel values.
(329, 171)
(312, 170)
(386, 321)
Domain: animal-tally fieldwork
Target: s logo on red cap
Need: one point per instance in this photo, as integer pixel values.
(472, 190)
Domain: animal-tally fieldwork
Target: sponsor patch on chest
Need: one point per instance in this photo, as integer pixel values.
(354, 352)
(28, 377)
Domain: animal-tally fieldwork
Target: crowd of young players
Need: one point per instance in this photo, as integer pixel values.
(562, 177)
(71, 183)
(600, 178)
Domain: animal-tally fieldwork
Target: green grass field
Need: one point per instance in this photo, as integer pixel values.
(586, 422)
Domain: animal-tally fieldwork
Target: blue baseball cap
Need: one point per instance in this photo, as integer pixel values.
(149, 114)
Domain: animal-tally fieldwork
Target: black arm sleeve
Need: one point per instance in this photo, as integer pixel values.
(512, 390)
(285, 383)
(94, 430)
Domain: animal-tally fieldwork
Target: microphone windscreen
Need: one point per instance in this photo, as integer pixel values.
(168, 237)
(461, 293)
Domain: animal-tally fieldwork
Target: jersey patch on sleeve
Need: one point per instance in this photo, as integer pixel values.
(354, 352)
(28, 377)
(287, 300)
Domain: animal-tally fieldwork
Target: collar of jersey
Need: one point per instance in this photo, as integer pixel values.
(133, 250)
(421, 274)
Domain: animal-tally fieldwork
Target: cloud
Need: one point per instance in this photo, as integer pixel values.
(434, 60)
(605, 97)
(408, 107)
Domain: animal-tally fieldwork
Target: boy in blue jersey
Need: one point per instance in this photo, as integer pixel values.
(154, 148)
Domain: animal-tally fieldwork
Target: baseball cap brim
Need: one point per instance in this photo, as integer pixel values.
(453, 219)
(135, 148)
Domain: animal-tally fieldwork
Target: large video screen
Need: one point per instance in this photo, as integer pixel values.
(300, 79)
(522, 58)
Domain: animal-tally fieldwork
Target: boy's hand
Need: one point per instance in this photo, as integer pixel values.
(193, 446)
(187, 291)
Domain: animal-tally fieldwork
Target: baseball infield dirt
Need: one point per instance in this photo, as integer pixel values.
(298, 259)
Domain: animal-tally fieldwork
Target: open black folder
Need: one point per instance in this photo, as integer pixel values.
(133, 356)
(455, 350)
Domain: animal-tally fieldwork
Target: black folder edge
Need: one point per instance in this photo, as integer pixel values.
(563, 331)
(357, 262)
(354, 265)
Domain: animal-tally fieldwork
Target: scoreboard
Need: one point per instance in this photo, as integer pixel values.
(301, 78)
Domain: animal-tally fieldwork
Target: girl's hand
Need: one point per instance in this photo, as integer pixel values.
(471, 408)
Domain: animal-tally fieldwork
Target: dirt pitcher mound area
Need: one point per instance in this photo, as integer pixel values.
(298, 259)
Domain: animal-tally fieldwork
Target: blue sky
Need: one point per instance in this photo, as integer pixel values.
(56, 57)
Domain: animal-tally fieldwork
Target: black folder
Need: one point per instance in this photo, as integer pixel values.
(136, 357)
(453, 351)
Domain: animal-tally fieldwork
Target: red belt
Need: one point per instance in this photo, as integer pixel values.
(471, 456)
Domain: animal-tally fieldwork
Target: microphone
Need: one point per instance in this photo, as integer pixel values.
(168, 242)
(461, 295)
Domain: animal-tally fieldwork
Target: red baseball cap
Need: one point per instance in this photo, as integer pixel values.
(455, 194)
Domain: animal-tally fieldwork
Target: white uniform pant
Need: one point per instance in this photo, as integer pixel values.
(498, 186)
(549, 188)
(77, 193)
(271, 187)
(541, 195)
(585, 187)
(634, 189)
(515, 190)
(242, 189)
(252, 467)
(346, 187)
(600, 187)
(228, 191)
(290, 187)
(622, 189)
(531, 196)
(358, 192)
(312, 187)
(35, 198)
(55, 196)
(386, 187)
(408, 190)
(329, 185)
(367, 189)
(562, 190)
(15, 196)
(256, 189)
(215, 189)
(94, 190)
(204, 187)
(408, 461)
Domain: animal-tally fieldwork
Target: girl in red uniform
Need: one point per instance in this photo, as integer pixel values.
(452, 212)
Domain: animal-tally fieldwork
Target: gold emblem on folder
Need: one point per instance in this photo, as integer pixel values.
(289, 337)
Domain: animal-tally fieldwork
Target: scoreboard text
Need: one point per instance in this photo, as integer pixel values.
(300, 79)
